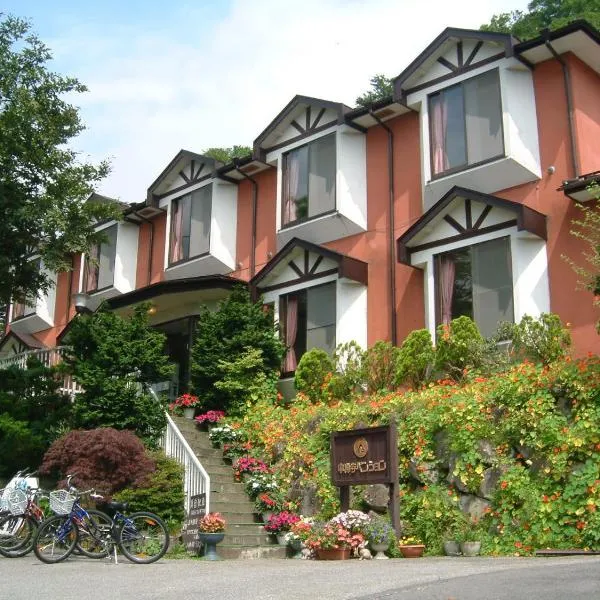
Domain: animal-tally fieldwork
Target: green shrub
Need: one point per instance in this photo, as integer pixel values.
(348, 377)
(544, 339)
(160, 492)
(416, 358)
(313, 373)
(380, 366)
(458, 347)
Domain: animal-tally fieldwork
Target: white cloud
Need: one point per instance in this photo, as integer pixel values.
(156, 91)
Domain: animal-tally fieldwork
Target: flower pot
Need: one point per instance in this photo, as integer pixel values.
(210, 541)
(266, 515)
(451, 548)
(379, 550)
(295, 546)
(189, 413)
(282, 538)
(412, 550)
(470, 548)
(333, 553)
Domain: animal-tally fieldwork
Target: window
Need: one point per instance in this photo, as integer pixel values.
(476, 282)
(99, 270)
(466, 124)
(308, 320)
(190, 225)
(309, 180)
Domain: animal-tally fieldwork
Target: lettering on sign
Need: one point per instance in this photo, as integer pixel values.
(189, 531)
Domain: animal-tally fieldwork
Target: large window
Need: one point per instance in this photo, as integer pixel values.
(190, 225)
(309, 180)
(307, 319)
(476, 281)
(466, 124)
(99, 270)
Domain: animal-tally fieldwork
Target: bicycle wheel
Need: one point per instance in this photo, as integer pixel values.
(55, 539)
(16, 535)
(95, 534)
(143, 538)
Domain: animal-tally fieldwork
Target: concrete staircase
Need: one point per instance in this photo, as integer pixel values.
(244, 537)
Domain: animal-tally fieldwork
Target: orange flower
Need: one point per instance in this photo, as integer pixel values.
(504, 484)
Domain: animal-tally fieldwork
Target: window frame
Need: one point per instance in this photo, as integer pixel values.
(87, 264)
(284, 181)
(177, 200)
(467, 165)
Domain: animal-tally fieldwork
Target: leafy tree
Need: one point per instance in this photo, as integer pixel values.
(225, 335)
(544, 14)
(103, 458)
(381, 87)
(31, 410)
(226, 155)
(42, 182)
(112, 357)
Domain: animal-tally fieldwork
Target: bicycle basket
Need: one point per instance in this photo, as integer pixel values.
(61, 502)
(17, 502)
(4, 500)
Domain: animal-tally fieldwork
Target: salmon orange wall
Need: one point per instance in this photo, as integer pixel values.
(158, 252)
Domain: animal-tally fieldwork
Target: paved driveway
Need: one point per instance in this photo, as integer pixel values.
(576, 578)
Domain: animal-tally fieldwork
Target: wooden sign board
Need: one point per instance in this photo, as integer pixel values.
(364, 456)
(189, 531)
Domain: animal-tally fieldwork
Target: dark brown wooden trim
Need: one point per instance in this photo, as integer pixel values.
(318, 118)
(186, 260)
(301, 137)
(468, 215)
(295, 268)
(468, 166)
(307, 219)
(459, 54)
(473, 53)
(297, 126)
(306, 257)
(318, 261)
(454, 224)
(465, 69)
(464, 236)
(182, 188)
(303, 279)
(484, 213)
(446, 63)
(184, 176)
(307, 119)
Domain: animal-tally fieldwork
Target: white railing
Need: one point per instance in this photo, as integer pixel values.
(49, 357)
(196, 479)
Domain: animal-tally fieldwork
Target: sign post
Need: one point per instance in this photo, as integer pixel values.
(365, 457)
(189, 531)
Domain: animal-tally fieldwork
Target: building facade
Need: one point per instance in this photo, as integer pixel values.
(455, 196)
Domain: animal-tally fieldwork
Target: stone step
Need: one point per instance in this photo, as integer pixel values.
(248, 539)
(245, 529)
(232, 497)
(226, 487)
(250, 552)
(239, 517)
(235, 507)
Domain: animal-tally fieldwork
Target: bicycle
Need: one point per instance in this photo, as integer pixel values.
(142, 537)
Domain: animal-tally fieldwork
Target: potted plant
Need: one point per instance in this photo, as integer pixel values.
(209, 418)
(411, 546)
(266, 504)
(470, 540)
(298, 534)
(185, 405)
(279, 524)
(332, 541)
(380, 535)
(246, 465)
(211, 530)
(224, 434)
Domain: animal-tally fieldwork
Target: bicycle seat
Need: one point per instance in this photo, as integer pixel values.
(116, 506)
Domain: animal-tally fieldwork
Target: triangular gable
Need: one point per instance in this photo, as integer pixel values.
(453, 52)
(464, 213)
(300, 261)
(185, 170)
(15, 343)
(303, 116)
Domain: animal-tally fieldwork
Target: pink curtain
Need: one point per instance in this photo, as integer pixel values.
(438, 138)
(92, 268)
(447, 272)
(176, 247)
(291, 193)
(291, 329)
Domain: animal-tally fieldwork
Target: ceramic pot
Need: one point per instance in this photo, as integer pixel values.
(379, 550)
(282, 538)
(412, 550)
(333, 553)
(470, 548)
(189, 413)
(295, 548)
(210, 541)
(451, 548)
(266, 516)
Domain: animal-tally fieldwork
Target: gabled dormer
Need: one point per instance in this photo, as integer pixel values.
(478, 116)
(201, 216)
(321, 171)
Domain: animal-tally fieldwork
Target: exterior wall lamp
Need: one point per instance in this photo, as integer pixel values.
(81, 302)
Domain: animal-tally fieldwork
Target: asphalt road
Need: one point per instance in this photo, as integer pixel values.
(574, 578)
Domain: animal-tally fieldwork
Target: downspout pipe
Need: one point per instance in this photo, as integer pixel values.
(569, 97)
(254, 216)
(391, 228)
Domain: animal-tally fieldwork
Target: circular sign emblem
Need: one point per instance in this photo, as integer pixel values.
(361, 447)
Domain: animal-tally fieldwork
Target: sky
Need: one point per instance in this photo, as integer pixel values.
(163, 76)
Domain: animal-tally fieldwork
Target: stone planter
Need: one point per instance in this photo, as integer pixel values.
(412, 550)
(189, 413)
(470, 548)
(379, 550)
(451, 548)
(333, 553)
(210, 541)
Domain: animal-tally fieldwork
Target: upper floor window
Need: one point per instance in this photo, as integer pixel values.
(309, 180)
(190, 225)
(99, 270)
(476, 281)
(466, 124)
